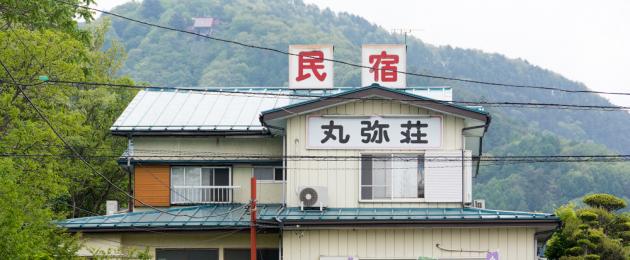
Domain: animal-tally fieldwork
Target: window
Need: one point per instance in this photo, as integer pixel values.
(200, 176)
(186, 254)
(392, 176)
(269, 174)
(193, 184)
(261, 254)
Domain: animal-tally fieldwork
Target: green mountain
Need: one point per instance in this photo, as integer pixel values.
(166, 58)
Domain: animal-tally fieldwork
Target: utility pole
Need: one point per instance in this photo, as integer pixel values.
(252, 222)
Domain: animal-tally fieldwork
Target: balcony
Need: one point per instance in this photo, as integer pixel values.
(202, 194)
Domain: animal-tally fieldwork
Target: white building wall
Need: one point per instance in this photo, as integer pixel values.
(206, 145)
(410, 243)
(342, 177)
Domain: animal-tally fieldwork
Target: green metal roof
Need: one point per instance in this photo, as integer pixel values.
(376, 86)
(228, 216)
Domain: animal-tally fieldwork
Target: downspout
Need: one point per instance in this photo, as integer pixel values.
(130, 169)
(485, 126)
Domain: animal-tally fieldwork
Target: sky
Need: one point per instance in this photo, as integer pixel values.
(585, 41)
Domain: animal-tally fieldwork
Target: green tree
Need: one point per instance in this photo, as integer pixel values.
(151, 9)
(39, 178)
(592, 232)
(45, 14)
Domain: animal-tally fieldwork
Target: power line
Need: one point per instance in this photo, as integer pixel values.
(310, 96)
(246, 45)
(531, 158)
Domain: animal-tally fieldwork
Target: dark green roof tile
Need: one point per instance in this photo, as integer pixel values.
(217, 216)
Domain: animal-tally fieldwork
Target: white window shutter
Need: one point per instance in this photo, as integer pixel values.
(443, 176)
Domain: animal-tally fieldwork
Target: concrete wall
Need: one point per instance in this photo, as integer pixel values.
(342, 177)
(410, 243)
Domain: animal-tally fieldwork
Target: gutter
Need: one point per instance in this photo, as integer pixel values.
(550, 223)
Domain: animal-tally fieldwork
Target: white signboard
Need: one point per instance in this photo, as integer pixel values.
(384, 62)
(374, 132)
(308, 69)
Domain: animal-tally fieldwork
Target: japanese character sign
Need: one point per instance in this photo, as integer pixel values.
(374, 132)
(382, 64)
(310, 66)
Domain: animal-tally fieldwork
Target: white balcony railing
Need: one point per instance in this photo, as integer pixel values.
(202, 194)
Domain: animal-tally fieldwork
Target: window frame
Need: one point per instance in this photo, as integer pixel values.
(392, 200)
(273, 172)
(230, 176)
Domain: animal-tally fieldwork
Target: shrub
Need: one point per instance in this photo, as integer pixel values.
(576, 250)
(587, 216)
(591, 257)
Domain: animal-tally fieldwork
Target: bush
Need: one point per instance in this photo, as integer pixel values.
(576, 250)
(605, 201)
(587, 216)
(591, 257)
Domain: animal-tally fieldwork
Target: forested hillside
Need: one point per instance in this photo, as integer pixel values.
(166, 58)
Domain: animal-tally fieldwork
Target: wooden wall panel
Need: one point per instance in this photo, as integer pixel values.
(151, 185)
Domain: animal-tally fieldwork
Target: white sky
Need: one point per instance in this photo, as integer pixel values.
(586, 41)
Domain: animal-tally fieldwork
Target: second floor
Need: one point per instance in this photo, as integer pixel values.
(368, 147)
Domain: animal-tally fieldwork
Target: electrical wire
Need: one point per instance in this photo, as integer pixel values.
(401, 157)
(77, 154)
(246, 45)
(309, 96)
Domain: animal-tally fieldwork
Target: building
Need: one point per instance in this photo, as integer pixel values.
(356, 173)
(203, 25)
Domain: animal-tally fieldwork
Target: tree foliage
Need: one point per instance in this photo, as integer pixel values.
(592, 232)
(45, 14)
(605, 201)
(40, 181)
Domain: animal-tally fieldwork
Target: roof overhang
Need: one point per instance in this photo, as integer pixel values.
(276, 117)
(275, 216)
(256, 132)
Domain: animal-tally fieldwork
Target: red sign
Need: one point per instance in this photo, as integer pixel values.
(310, 66)
(382, 64)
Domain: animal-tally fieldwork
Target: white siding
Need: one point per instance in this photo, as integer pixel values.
(409, 243)
(164, 146)
(342, 176)
(445, 177)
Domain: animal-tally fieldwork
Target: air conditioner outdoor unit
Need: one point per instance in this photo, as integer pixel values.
(480, 204)
(313, 197)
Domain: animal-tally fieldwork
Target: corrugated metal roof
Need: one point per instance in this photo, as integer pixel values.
(196, 111)
(239, 217)
(220, 110)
